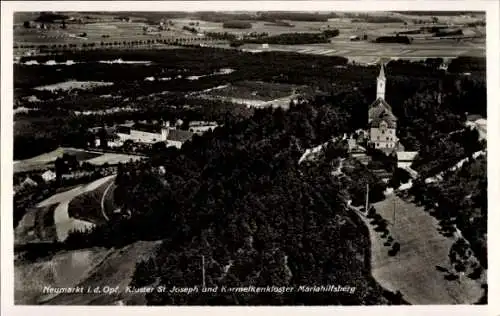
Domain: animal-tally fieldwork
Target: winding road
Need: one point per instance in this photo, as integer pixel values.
(107, 196)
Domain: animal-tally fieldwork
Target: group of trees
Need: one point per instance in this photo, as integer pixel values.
(235, 24)
(394, 39)
(281, 23)
(369, 18)
(444, 33)
(74, 47)
(290, 38)
(226, 36)
(432, 123)
(190, 29)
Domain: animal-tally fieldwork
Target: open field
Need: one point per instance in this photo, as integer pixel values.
(112, 159)
(253, 93)
(366, 52)
(45, 161)
(415, 270)
(56, 216)
(87, 267)
(107, 31)
(72, 84)
(343, 22)
(264, 91)
(257, 26)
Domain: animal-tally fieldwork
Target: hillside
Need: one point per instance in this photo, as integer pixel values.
(240, 200)
(80, 268)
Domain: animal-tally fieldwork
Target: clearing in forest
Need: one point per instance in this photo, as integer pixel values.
(418, 270)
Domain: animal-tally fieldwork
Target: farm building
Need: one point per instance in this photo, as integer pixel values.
(48, 176)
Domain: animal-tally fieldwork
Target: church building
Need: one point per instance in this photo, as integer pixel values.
(381, 121)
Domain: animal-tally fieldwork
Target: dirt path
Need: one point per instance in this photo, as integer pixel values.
(415, 269)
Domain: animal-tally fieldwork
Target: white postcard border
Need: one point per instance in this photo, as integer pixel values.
(493, 56)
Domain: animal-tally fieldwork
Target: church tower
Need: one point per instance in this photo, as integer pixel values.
(381, 121)
(381, 83)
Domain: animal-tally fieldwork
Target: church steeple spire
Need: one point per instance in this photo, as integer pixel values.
(382, 72)
(381, 83)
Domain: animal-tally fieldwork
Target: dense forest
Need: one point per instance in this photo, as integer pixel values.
(412, 90)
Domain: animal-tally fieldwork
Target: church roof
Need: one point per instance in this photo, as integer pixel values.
(380, 102)
(380, 113)
(391, 123)
(380, 110)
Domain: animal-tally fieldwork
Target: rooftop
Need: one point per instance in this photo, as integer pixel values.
(148, 128)
(379, 107)
(179, 135)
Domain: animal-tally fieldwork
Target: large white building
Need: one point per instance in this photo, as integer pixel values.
(143, 133)
(382, 123)
(153, 133)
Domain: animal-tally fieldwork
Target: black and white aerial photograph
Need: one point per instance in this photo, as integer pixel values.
(255, 158)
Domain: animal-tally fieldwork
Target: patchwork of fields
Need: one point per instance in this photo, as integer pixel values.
(366, 52)
(108, 31)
